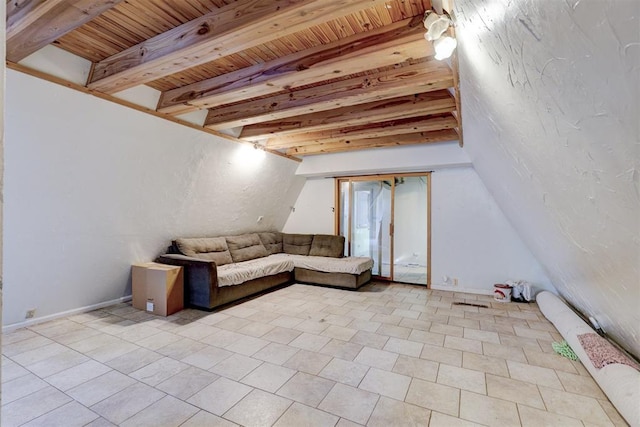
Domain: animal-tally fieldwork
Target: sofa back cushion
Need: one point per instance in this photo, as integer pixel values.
(272, 241)
(245, 247)
(209, 248)
(297, 244)
(327, 245)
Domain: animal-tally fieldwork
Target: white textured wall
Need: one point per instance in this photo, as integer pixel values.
(472, 240)
(550, 110)
(91, 187)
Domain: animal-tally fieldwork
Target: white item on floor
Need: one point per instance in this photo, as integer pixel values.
(621, 383)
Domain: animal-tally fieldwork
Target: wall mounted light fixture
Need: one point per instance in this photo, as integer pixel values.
(436, 25)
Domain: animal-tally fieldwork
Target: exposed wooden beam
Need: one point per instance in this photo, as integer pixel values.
(417, 78)
(379, 48)
(33, 24)
(363, 144)
(376, 130)
(422, 104)
(59, 81)
(232, 28)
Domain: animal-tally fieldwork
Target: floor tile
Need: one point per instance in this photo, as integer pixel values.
(400, 346)
(532, 417)
(504, 352)
(268, 377)
(435, 397)
(487, 410)
(126, 403)
(386, 383)
(11, 370)
(393, 331)
(281, 335)
(585, 408)
(310, 342)
(464, 379)
(390, 412)
(448, 356)
(219, 396)
(579, 384)
(308, 361)
(370, 339)
(447, 329)
(181, 348)
(344, 371)
(425, 337)
(77, 375)
(38, 354)
(377, 358)
(534, 374)
(133, 360)
(341, 349)
(487, 364)
(99, 388)
(23, 346)
(550, 360)
(186, 383)
(207, 357)
(235, 367)
(72, 414)
(350, 403)
(166, 412)
(276, 353)
(32, 406)
(463, 344)
(110, 351)
(305, 388)
(258, 408)
(514, 391)
(204, 418)
(417, 368)
(300, 415)
(247, 345)
(486, 336)
(158, 371)
(442, 420)
(21, 387)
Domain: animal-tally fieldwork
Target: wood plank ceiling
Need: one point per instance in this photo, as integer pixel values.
(301, 77)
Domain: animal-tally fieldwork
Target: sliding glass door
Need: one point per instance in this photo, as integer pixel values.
(387, 218)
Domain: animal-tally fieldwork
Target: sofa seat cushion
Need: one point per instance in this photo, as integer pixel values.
(240, 272)
(246, 247)
(327, 245)
(349, 265)
(207, 248)
(297, 244)
(272, 241)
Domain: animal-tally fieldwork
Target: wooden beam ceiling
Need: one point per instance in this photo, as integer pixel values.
(377, 130)
(307, 76)
(369, 143)
(233, 28)
(33, 24)
(411, 79)
(379, 48)
(389, 109)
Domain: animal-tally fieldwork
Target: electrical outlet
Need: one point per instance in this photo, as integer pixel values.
(455, 281)
(31, 313)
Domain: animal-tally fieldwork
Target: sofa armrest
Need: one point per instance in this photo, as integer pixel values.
(200, 278)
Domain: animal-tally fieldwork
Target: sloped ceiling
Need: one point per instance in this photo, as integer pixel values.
(550, 105)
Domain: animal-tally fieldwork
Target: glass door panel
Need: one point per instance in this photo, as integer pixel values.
(410, 230)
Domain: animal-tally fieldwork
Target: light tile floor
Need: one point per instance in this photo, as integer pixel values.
(386, 355)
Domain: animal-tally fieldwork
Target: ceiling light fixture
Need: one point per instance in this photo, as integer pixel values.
(436, 25)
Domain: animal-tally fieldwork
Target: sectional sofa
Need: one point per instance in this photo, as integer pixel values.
(219, 270)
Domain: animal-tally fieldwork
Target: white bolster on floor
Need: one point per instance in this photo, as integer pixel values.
(621, 383)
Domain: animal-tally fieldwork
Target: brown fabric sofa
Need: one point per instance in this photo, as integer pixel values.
(219, 270)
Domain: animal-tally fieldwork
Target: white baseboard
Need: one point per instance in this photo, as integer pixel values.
(463, 290)
(36, 320)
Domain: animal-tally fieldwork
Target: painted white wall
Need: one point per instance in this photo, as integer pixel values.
(409, 158)
(472, 240)
(550, 96)
(91, 186)
(313, 212)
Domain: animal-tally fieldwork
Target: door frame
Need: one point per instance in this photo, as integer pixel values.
(381, 177)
